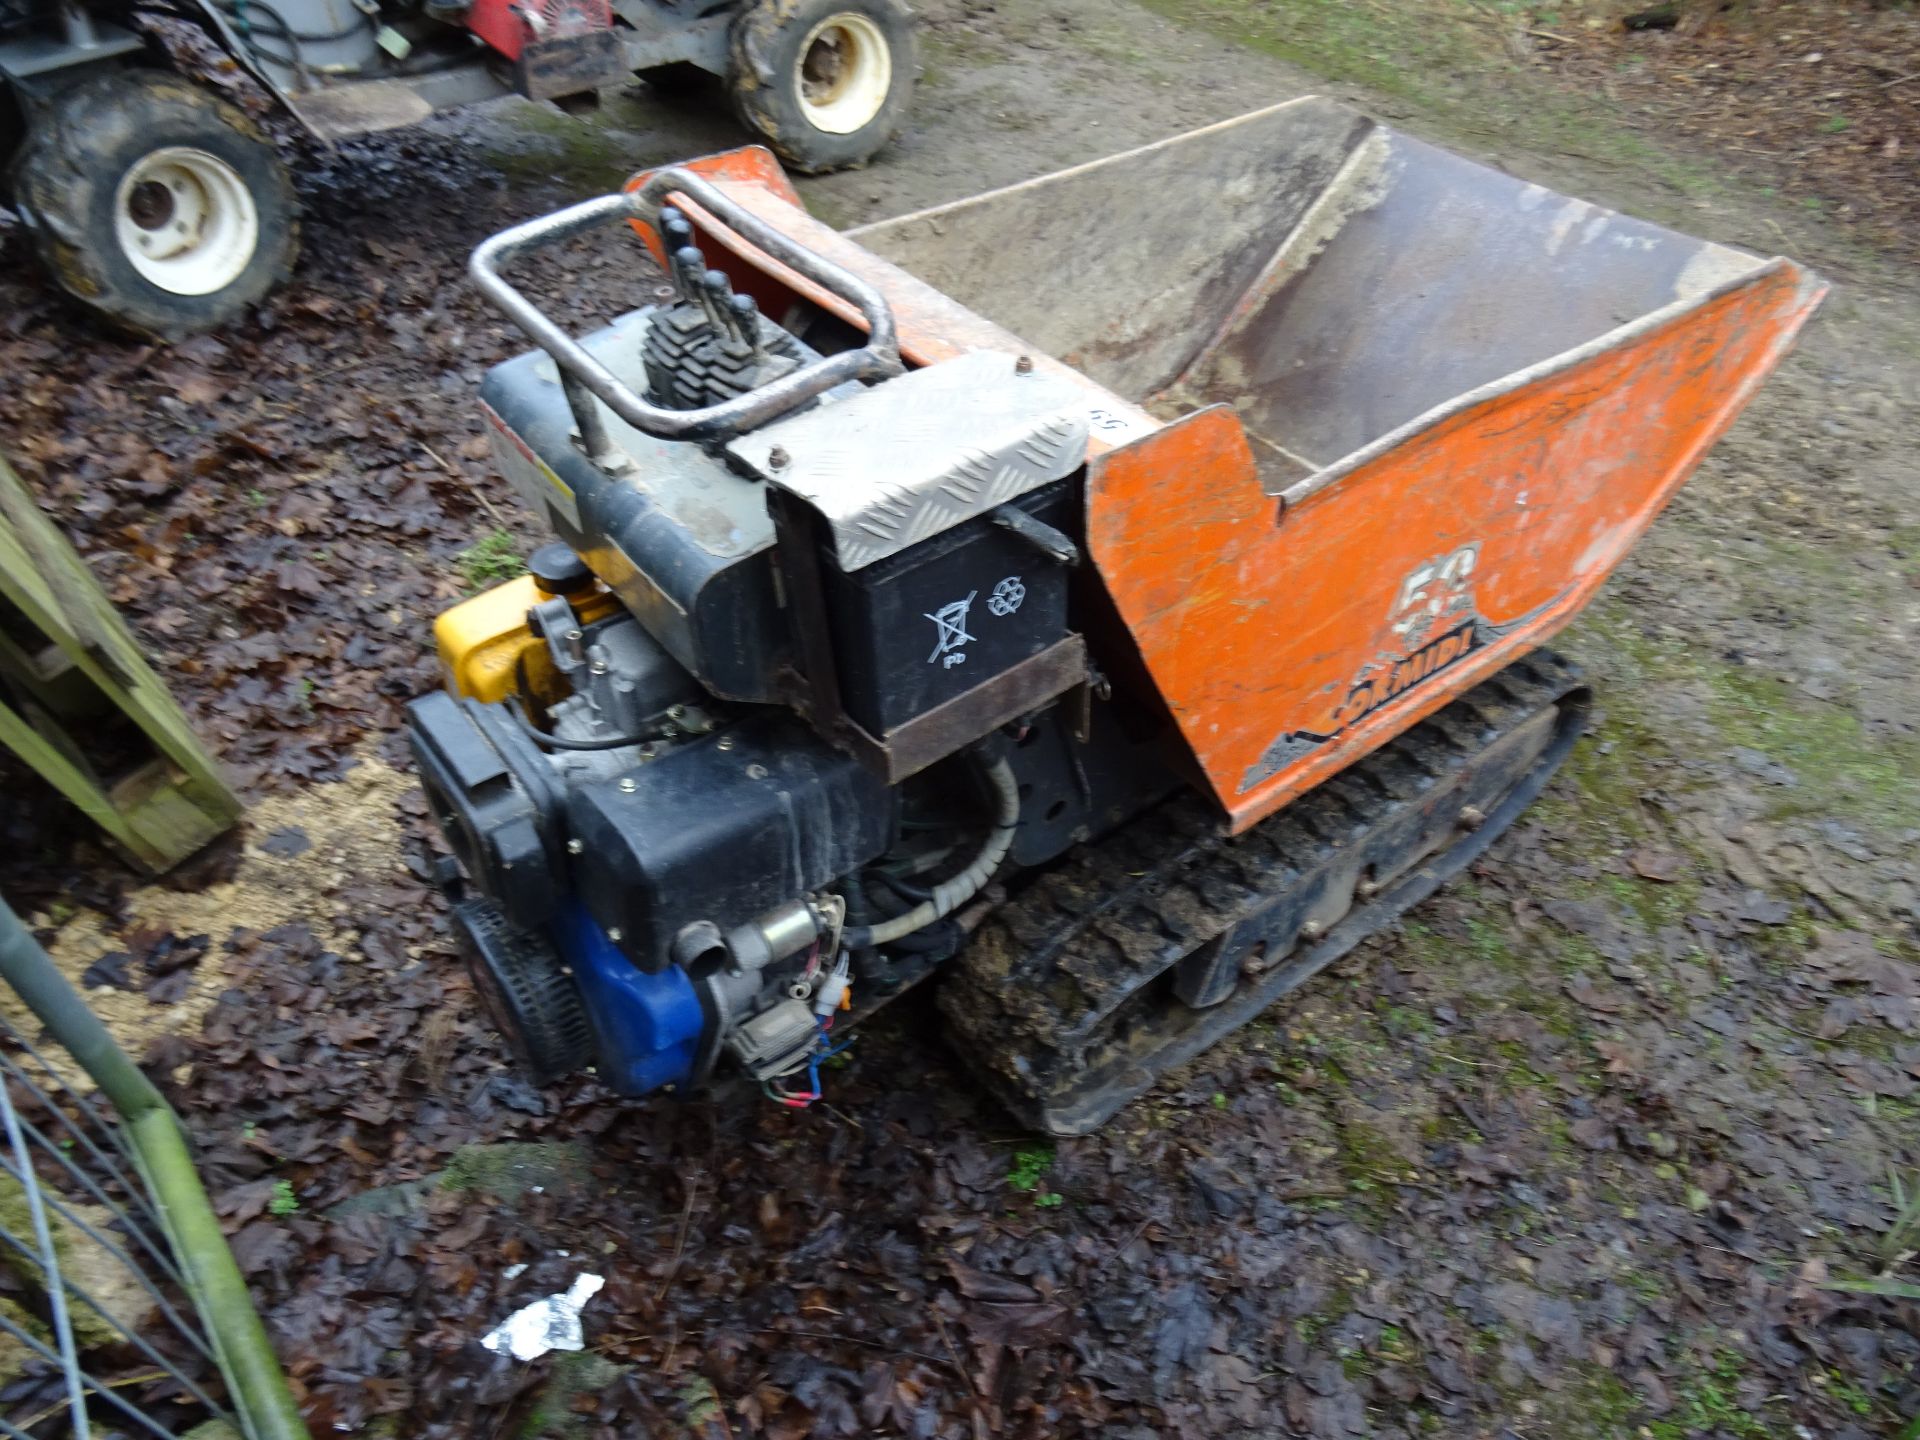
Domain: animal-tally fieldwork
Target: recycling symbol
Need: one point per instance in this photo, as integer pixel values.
(1007, 596)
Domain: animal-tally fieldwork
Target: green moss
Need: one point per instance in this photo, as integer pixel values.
(1849, 1393)
(1598, 795)
(1400, 1020)
(85, 1265)
(1419, 938)
(1378, 46)
(958, 49)
(834, 211)
(489, 561)
(586, 154)
(1707, 1402)
(1646, 1284)
(1519, 972)
(15, 1354)
(1904, 540)
(1313, 1324)
(1490, 945)
(515, 1168)
(1591, 1402)
(1365, 1157)
(702, 1404)
(1657, 904)
(1518, 1063)
(1486, 942)
(1840, 769)
(388, 1201)
(577, 1373)
(1900, 1112)
(1030, 1165)
(1443, 58)
(1394, 1346)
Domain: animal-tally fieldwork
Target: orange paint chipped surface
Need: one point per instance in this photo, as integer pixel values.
(1289, 644)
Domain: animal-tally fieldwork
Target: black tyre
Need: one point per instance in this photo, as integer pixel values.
(159, 206)
(527, 992)
(827, 82)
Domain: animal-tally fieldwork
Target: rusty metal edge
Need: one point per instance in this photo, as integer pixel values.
(910, 748)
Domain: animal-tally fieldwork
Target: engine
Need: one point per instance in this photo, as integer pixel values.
(742, 752)
(666, 850)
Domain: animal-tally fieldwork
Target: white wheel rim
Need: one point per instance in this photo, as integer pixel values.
(843, 73)
(186, 221)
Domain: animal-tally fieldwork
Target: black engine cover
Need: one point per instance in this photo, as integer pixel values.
(722, 829)
(497, 799)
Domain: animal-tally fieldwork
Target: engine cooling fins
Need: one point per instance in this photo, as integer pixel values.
(527, 991)
(1137, 953)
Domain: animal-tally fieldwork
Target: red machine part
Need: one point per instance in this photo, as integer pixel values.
(509, 26)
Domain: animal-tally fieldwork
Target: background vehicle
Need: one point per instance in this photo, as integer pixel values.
(883, 646)
(163, 206)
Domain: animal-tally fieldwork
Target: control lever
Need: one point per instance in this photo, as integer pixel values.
(585, 378)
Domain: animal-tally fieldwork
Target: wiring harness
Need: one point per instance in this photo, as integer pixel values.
(831, 992)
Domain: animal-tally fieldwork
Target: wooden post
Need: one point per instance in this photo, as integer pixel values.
(66, 660)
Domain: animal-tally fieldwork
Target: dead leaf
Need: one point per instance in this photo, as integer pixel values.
(1664, 866)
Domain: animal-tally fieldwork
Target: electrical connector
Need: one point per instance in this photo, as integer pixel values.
(832, 989)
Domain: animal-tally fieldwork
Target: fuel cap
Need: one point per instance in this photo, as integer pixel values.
(558, 571)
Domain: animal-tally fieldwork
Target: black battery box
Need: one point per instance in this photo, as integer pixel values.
(914, 630)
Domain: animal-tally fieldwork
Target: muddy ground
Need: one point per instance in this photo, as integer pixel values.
(1577, 1150)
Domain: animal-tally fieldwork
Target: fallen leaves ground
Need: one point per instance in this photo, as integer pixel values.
(1822, 97)
(1573, 1153)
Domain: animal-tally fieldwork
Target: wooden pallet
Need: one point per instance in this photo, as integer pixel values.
(69, 672)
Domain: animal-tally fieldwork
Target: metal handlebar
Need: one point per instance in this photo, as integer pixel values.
(878, 359)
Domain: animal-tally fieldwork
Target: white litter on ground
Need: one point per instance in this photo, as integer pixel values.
(549, 1324)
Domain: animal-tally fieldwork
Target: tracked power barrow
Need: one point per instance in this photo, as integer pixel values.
(1108, 598)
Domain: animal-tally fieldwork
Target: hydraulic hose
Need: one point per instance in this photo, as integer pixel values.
(558, 742)
(949, 895)
(907, 890)
(243, 24)
(867, 965)
(237, 12)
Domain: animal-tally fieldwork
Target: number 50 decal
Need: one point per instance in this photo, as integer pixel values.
(1434, 591)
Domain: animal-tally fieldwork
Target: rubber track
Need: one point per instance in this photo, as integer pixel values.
(1031, 995)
